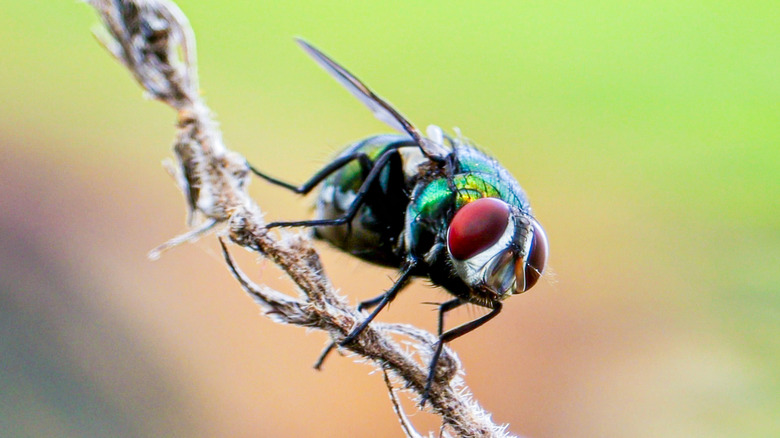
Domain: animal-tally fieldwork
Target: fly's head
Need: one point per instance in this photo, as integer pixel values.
(496, 249)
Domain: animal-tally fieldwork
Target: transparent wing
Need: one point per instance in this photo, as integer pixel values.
(381, 109)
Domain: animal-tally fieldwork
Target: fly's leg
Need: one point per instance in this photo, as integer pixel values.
(365, 166)
(326, 171)
(370, 303)
(364, 305)
(324, 355)
(388, 296)
(318, 177)
(360, 196)
(453, 334)
(378, 303)
(444, 308)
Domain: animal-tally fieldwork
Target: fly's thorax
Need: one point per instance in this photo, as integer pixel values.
(471, 161)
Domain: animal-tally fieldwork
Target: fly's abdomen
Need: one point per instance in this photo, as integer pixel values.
(374, 231)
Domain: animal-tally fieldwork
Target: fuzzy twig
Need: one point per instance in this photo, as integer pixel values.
(153, 39)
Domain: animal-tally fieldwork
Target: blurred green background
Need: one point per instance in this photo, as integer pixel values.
(647, 135)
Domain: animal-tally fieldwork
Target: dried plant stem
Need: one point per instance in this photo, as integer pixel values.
(153, 39)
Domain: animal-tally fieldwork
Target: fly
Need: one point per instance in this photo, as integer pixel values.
(433, 206)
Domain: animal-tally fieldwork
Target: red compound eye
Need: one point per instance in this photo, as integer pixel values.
(477, 226)
(537, 257)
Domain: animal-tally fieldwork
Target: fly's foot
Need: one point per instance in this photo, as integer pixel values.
(323, 356)
(352, 336)
(443, 368)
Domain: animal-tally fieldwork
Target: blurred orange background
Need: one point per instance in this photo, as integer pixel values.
(646, 136)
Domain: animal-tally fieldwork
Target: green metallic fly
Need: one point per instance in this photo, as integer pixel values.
(433, 206)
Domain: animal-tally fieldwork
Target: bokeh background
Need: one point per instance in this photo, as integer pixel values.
(647, 135)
